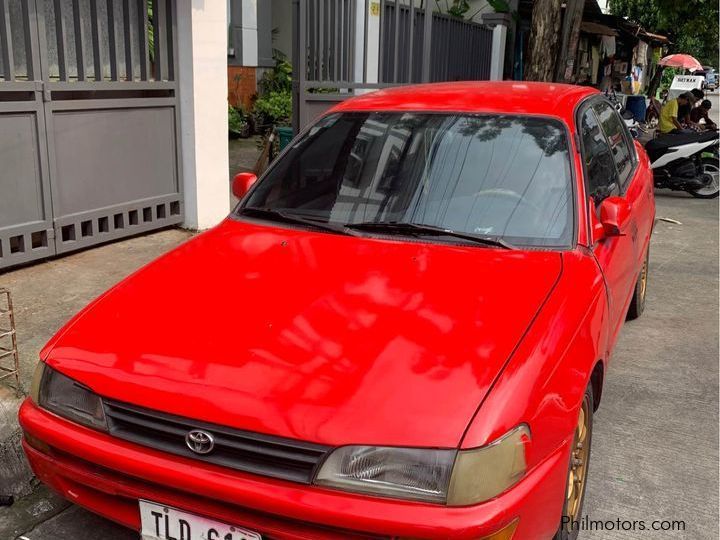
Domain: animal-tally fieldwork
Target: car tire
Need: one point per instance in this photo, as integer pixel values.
(637, 304)
(572, 506)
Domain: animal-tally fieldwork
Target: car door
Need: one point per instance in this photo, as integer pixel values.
(636, 182)
(608, 172)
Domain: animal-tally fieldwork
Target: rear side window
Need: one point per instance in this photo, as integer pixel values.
(616, 135)
(601, 174)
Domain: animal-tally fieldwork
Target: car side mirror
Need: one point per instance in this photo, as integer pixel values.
(614, 215)
(242, 182)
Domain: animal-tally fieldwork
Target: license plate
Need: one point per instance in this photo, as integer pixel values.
(160, 522)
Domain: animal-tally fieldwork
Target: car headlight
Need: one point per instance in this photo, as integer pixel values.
(455, 478)
(65, 397)
(406, 473)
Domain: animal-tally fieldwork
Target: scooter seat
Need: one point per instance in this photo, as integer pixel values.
(679, 139)
(659, 146)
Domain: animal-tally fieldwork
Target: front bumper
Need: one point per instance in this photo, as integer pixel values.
(108, 476)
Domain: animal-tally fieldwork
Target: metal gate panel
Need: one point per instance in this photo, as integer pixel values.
(97, 124)
(127, 181)
(26, 230)
(462, 51)
(412, 48)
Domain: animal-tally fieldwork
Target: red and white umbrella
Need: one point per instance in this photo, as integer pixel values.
(681, 61)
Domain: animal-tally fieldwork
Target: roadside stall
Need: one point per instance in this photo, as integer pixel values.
(615, 54)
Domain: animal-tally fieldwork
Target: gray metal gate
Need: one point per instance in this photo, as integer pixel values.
(88, 124)
(332, 40)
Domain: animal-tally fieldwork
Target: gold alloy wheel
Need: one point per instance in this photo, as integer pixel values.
(578, 464)
(643, 280)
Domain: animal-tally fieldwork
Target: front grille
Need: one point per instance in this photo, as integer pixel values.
(120, 492)
(254, 453)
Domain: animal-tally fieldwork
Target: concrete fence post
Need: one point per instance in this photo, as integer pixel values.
(202, 88)
(499, 23)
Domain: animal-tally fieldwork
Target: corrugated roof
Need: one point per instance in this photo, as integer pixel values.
(597, 28)
(654, 37)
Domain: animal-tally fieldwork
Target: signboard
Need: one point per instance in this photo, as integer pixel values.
(684, 83)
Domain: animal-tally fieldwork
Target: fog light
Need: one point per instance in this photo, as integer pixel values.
(504, 534)
(37, 444)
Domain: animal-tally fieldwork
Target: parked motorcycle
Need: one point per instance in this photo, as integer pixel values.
(686, 162)
(681, 162)
(633, 125)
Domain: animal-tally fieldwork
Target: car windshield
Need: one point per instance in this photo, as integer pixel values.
(495, 176)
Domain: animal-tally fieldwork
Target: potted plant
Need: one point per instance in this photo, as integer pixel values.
(273, 106)
(238, 126)
(500, 15)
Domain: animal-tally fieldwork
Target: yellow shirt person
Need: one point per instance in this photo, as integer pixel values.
(669, 115)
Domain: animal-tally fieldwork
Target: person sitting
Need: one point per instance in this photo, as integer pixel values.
(694, 96)
(669, 122)
(701, 113)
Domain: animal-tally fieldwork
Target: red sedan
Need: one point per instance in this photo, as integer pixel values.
(402, 331)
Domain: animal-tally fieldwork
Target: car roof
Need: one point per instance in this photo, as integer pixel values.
(504, 97)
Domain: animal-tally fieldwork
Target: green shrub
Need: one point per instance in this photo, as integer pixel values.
(274, 108)
(279, 78)
(274, 104)
(667, 78)
(236, 121)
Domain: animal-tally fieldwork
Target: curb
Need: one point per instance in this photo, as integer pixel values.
(15, 474)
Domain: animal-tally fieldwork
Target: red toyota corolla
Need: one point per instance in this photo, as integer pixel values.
(402, 331)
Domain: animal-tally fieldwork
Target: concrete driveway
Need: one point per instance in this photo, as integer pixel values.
(655, 444)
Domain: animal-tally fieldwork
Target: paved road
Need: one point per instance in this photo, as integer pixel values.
(655, 448)
(714, 98)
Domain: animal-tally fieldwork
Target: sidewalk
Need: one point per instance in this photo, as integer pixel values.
(45, 296)
(48, 293)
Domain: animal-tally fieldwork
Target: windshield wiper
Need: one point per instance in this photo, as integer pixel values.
(419, 229)
(284, 217)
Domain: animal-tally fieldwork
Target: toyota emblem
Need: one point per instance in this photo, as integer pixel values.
(199, 441)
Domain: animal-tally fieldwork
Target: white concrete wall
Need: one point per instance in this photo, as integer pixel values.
(249, 33)
(359, 40)
(282, 20)
(373, 42)
(497, 60)
(477, 8)
(202, 80)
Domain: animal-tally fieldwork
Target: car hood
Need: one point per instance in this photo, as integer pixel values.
(314, 336)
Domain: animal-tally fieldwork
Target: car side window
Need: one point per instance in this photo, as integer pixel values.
(601, 174)
(615, 132)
